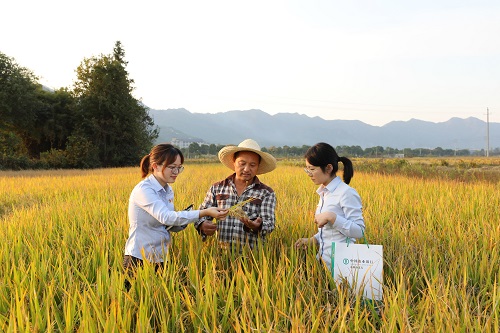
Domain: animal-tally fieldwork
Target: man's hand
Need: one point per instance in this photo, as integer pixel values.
(252, 225)
(208, 228)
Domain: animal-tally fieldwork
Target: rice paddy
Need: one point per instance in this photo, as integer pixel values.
(63, 235)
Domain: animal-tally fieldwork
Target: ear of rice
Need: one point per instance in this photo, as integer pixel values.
(237, 210)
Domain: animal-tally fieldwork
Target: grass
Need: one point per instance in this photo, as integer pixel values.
(465, 169)
(64, 232)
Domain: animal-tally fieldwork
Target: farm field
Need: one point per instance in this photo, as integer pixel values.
(63, 233)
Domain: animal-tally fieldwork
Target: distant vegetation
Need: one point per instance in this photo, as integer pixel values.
(467, 169)
(463, 169)
(96, 123)
(197, 150)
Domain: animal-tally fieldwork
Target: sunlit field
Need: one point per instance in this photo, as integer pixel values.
(63, 235)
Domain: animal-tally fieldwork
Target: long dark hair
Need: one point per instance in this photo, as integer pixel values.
(163, 152)
(322, 154)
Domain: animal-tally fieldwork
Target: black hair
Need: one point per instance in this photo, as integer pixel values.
(322, 154)
(163, 152)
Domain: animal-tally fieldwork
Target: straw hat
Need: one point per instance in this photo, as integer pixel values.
(267, 161)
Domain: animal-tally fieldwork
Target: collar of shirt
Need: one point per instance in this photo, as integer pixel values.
(156, 185)
(330, 187)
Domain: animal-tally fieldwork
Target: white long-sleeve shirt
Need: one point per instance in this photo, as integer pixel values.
(151, 212)
(343, 200)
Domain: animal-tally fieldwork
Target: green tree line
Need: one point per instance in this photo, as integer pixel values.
(95, 123)
(196, 150)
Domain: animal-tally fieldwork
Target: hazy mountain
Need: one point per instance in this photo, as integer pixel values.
(293, 129)
(167, 133)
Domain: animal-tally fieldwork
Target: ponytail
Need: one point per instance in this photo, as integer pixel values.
(145, 165)
(348, 169)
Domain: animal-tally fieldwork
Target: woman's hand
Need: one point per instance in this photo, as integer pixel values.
(322, 219)
(303, 243)
(215, 212)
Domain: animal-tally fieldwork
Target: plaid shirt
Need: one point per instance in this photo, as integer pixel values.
(231, 230)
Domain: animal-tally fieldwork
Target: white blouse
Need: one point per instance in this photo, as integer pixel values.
(151, 215)
(343, 200)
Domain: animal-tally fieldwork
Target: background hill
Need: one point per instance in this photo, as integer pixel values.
(294, 129)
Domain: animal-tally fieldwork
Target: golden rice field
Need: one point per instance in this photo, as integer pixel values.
(63, 234)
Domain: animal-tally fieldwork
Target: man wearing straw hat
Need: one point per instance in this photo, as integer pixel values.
(257, 218)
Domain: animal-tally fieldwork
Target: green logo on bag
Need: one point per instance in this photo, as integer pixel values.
(345, 261)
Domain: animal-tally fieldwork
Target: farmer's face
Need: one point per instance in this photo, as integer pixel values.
(246, 165)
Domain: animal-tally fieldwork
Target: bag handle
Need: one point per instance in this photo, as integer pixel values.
(364, 237)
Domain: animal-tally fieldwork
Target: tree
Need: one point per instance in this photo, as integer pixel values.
(109, 116)
(203, 149)
(194, 149)
(55, 120)
(18, 100)
(438, 151)
(212, 150)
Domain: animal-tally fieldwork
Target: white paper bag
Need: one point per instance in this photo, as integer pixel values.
(362, 265)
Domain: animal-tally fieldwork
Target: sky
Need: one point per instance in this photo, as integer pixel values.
(367, 60)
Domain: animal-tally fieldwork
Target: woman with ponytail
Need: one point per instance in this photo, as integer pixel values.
(151, 208)
(339, 212)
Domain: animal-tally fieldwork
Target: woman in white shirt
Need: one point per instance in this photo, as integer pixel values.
(339, 212)
(151, 208)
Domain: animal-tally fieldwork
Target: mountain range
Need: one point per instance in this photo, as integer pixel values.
(293, 129)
